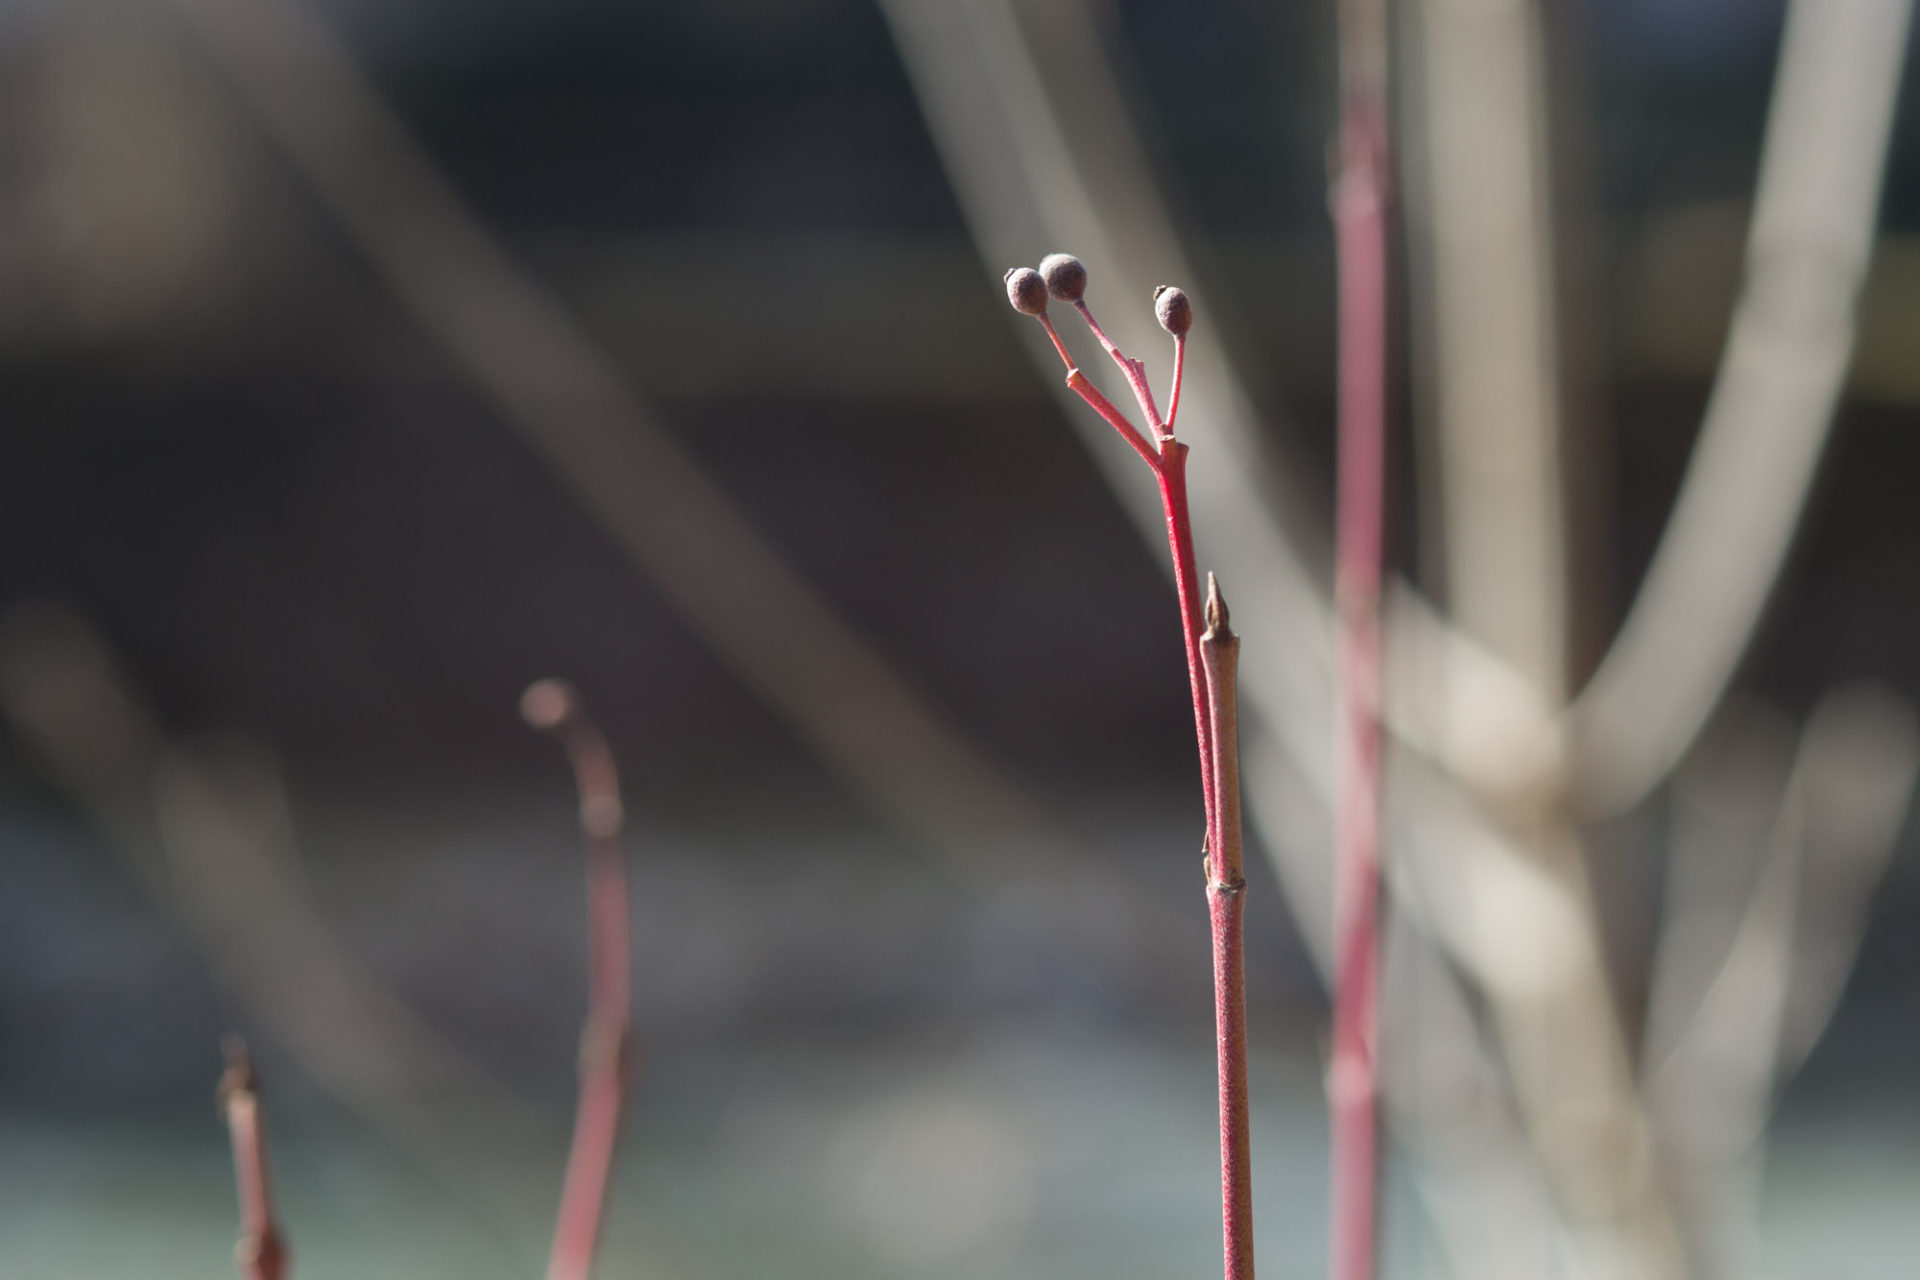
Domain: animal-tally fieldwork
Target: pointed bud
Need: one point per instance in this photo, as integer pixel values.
(1174, 310)
(1217, 622)
(1065, 275)
(1027, 291)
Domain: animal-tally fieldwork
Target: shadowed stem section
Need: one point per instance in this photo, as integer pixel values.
(552, 706)
(1226, 898)
(261, 1253)
(1353, 1084)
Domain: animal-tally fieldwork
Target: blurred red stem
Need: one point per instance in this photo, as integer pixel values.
(1360, 239)
(261, 1253)
(604, 1042)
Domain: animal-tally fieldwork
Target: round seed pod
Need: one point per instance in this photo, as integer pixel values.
(1066, 276)
(1027, 291)
(1173, 309)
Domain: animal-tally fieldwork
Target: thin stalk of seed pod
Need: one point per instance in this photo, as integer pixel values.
(1058, 345)
(1168, 458)
(552, 706)
(261, 1253)
(1136, 372)
(1358, 199)
(1118, 420)
(1179, 375)
(1226, 900)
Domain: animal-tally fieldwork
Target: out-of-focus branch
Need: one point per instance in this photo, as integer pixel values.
(1480, 216)
(1488, 1204)
(1772, 405)
(1860, 758)
(1357, 199)
(207, 831)
(261, 1253)
(1783, 948)
(553, 707)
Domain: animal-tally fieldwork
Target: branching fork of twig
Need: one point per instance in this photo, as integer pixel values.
(1212, 668)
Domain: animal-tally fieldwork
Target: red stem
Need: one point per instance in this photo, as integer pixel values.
(604, 1044)
(1118, 420)
(1353, 1076)
(1135, 371)
(261, 1253)
(1179, 375)
(1171, 472)
(1212, 663)
(1058, 345)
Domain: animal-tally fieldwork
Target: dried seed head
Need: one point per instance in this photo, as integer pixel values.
(1066, 276)
(1027, 291)
(1174, 310)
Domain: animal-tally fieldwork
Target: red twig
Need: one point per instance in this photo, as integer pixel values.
(1358, 200)
(1136, 373)
(551, 705)
(261, 1253)
(1171, 472)
(1179, 375)
(1212, 662)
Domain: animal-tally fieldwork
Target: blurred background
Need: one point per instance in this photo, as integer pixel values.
(361, 363)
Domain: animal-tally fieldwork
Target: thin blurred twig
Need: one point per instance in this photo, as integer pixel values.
(606, 1045)
(261, 1253)
(207, 831)
(1358, 200)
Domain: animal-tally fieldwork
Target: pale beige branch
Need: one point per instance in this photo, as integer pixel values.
(1763, 945)
(1772, 404)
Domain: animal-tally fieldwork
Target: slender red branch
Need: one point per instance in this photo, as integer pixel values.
(551, 705)
(261, 1253)
(1136, 373)
(1360, 241)
(1212, 664)
(1226, 899)
(1179, 375)
(1058, 345)
(1118, 420)
(1171, 472)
